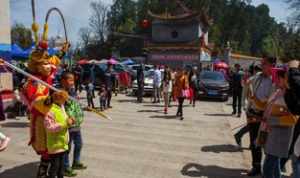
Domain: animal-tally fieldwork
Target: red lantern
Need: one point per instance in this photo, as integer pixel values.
(145, 23)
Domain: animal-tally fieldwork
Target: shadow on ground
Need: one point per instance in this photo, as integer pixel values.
(149, 111)
(197, 170)
(164, 117)
(27, 170)
(15, 124)
(127, 100)
(211, 100)
(154, 105)
(219, 115)
(162, 105)
(221, 148)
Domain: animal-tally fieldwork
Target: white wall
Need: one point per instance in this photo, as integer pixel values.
(4, 22)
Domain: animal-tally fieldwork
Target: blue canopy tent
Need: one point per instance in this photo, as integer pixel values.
(128, 62)
(14, 51)
(5, 51)
(17, 52)
(51, 51)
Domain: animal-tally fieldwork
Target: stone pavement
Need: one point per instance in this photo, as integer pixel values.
(142, 142)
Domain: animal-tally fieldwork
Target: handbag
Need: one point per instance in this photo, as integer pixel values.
(263, 134)
(186, 93)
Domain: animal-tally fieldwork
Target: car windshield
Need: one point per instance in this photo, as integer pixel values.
(146, 67)
(135, 67)
(212, 76)
(149, 74)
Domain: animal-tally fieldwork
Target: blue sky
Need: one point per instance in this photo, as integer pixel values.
(77, 13)
(278, 8)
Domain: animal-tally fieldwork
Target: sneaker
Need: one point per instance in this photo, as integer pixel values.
(233, 113)
(69, 172)
(166, 111)
(239, 115)
(78, 166)
(4, 144)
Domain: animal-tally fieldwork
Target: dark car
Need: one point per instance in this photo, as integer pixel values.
(213, 84)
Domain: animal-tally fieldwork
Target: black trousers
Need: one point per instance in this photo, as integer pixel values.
(109, 95)
(77, 86)
(90, 101)
(256, 151)
(237, 101)
(180, 106)
(43, 168)
(242, 132)
(102, 102)
(140, 92)
(57, 165)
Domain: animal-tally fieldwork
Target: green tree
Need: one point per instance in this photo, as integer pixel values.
(21, 36)
(246, 27)
(98, 20)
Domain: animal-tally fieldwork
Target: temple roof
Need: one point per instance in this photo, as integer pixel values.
(184, 13)
(168, 16)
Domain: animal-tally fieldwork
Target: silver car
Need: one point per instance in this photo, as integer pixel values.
(148, 82)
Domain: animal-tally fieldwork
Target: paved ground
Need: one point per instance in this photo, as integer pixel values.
(142, 142)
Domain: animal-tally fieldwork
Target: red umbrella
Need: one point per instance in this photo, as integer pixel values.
(82, 61)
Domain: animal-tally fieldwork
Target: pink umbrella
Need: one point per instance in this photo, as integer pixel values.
(112, 61)
(221, 65)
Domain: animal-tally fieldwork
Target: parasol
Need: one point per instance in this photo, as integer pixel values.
(82, 62)
(112, 61)
(221, 65)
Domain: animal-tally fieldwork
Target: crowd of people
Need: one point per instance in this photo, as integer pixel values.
(268, 94)
(272, 111)
(106, 88)
(171, 85)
